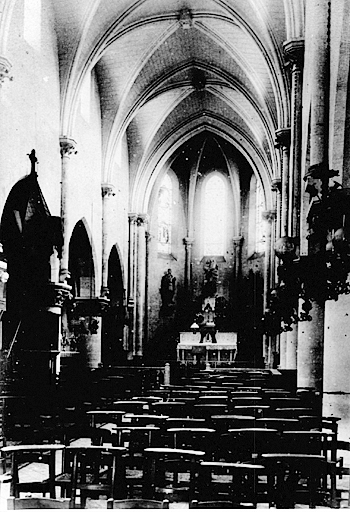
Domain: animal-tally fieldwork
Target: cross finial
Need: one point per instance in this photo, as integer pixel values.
(33, 159)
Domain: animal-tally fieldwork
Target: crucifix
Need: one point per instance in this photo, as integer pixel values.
(33, 159)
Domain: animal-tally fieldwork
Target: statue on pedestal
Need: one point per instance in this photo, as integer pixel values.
(167, 289)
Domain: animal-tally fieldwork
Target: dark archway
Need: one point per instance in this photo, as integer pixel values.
(81, 265)
(114, 318)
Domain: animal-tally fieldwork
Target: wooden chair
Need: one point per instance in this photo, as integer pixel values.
(212, 504)
(223, 422)
(284, 402)
(208, 410)
(100, 416)
(294, 478)
(303, 441)
(341, 469)
(135, 406)
(43, 454)
(185, 423)
(278, 423)
(204, 439)
(143, 420)
(259, 411)
(233, 482)
(136, 439)
(38, 503)
(212, 399)
(137, 503)
(171, 409)
(292, 412)
(93, 471)
(247, 444)
(158, 461)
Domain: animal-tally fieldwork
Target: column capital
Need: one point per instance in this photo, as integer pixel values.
(294, 51)
(107, 190)
(5, 68)
(269, 215)
(282, 137)
(142, 219)
(276, 185)
(68, 146)
(188, 241)
(132, 218)
(237, 241)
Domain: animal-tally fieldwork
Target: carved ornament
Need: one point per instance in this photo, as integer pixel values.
(5, 67)
(294, 51)
(68, 146)
(107, 190)
(56, 295)
(282, 138)
(185, 19)
(269, 215)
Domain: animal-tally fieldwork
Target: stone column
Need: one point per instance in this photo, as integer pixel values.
(107, 191)
(283, 349)
(294, 54)
(68, 148)
(292, 348)
(237, 251)
(148, 238)
(283, 142)
(282, 204)
(142, 221)
(310, 350)
(311, 334)
(269, 216)
(276, 187)
(336, 383)
(188, 242)
(132, 284)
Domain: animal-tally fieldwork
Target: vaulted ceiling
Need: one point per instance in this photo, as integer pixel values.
(168, 69)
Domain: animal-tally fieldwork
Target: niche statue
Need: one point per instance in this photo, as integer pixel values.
(167, 289)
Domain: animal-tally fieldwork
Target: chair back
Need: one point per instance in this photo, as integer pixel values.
(38, 503)
(96, 471)
(137, 503)
(212, 504)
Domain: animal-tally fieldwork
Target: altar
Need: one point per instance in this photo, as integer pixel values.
(189, 350)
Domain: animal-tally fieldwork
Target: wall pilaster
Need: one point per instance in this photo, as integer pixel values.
(68, 148)
(107, 191)
(283, 143)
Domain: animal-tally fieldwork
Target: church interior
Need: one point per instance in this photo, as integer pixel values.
(174, 253)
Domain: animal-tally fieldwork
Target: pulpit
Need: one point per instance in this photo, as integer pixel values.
(190, 350)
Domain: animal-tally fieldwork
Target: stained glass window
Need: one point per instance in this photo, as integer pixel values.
(165, 199)
(214, 216)
(259, 222)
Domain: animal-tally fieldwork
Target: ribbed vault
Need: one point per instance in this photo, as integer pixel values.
(167, 70)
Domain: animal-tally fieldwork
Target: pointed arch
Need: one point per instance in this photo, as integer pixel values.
(81, 262)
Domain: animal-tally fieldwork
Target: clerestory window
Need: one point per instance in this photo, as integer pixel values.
(165, 213)
(214, 215)
(259, 222)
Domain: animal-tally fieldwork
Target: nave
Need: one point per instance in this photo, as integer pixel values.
(225, 438)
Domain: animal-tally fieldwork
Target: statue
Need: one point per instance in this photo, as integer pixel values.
(167, 289)
(211, 271)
